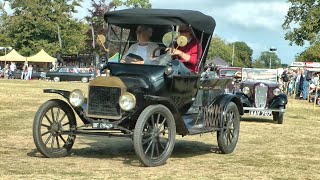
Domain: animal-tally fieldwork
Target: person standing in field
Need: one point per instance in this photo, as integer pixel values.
(29, 74)
(24, 72)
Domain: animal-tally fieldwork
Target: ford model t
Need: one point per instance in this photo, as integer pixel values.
(146, 102)
(260, 93)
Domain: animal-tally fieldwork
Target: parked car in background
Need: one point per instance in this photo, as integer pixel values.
(35, 75)
(230, 73)
(260, 94)
(68, 73)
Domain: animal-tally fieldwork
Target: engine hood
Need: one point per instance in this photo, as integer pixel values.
(138, 76)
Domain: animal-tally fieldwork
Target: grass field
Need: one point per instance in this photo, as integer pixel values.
(265, 150)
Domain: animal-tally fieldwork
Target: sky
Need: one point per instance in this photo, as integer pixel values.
(256, 22)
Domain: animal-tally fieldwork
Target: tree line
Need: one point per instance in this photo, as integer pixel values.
(302, 24)
(50, 25)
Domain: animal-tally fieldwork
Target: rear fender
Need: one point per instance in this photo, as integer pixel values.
(180, 126)
(224, 99)
(79, 110)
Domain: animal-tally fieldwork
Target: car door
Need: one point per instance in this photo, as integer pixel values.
(74, 74)
(63, 73)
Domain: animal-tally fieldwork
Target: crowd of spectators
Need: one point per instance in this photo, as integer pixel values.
(300, 82)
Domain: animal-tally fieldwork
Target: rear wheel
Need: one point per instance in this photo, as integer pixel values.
(228, 136)
(154, 135)
(278, 117)
(53, 128)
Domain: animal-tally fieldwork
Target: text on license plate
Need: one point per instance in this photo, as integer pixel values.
(260, 113)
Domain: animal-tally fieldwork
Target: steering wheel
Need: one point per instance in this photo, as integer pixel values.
(157, 49)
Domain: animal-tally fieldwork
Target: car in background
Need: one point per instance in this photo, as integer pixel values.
(35, 75)
(230, 73)
(69, 73)
(260, 94)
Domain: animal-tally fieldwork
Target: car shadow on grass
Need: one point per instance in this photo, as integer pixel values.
(121, 149)
(257, 119)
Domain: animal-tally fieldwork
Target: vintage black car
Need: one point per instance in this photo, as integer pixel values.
(144, 102)
(69, 73)
(260, 94)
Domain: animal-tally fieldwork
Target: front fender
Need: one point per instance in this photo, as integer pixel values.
(224, 99)
(79, 110)
(279, 101)
(181, 127)
(244, 99)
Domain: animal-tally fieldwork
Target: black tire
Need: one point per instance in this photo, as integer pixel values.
(84, 80)
(56, 79)
(155, 129)
(278, 117)
(49, 124)
(228, 136)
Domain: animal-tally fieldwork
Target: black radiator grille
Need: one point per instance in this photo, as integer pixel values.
(104, 101)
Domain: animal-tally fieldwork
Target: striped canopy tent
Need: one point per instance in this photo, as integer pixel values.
(41, 56)
(13, 56)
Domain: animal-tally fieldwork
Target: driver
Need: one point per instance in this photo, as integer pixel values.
(187, 56)
(143, 48)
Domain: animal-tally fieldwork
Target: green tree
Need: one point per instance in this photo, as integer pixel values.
(311, 54)
(34, 25)
(219, 48)
(223, 49)
(264, 60)
(244, 53)
(133, 3)
(302, 21)
(258, 64)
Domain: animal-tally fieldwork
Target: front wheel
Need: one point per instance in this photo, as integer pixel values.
(229, 134)
(53, 128)
(84, 79)
(278, 117)
(154, 135)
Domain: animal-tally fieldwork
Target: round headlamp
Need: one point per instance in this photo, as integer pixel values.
(168, 70)
(246, 90)
(76, 98)
(276, 91)
(127, 101)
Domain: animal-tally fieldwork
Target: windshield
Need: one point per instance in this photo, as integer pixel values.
(139, 45)
(264, 75)
(228, 72)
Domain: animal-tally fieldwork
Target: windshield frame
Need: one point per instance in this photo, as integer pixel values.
(270, 75)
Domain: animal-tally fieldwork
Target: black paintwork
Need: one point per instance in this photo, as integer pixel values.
(68, 76)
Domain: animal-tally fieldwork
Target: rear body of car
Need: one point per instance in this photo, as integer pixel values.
(260, 94)
(68, 74)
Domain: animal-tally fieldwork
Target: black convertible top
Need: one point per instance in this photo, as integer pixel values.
(128, 17)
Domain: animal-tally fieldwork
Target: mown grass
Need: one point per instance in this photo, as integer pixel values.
(265, 150)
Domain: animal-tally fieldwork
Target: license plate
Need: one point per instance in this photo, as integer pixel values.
(260, 113)
(102, 125)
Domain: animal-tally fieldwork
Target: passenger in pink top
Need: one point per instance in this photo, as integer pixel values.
(187, 55)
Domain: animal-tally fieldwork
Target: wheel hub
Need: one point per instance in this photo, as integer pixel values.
(55, 128)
